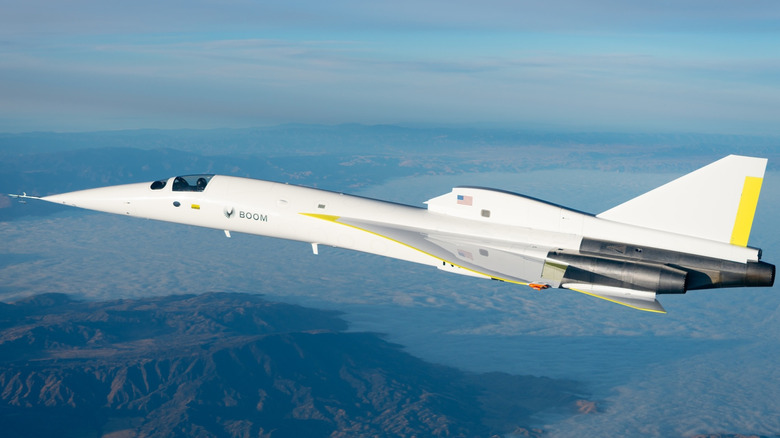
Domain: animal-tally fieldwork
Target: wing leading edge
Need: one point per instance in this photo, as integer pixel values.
(486, 258)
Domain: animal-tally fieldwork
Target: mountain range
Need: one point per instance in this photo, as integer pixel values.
(236, 365)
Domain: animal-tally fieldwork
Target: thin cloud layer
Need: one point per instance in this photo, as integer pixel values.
(691, 66)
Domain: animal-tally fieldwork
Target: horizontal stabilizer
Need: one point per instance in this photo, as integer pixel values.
(627, 297)
(716, 202)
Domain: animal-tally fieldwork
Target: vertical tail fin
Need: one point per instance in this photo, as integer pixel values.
(716, 202)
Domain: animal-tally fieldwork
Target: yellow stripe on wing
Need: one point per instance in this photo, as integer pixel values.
(335, 219)
(327, 217)
(747, 210)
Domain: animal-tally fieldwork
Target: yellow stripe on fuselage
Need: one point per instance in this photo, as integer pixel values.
(746, 211)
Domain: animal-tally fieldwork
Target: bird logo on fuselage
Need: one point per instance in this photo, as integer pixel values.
(228, 212)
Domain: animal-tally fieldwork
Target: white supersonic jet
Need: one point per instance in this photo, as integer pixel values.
(689, 234)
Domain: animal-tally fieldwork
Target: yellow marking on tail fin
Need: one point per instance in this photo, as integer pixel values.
(746, 211)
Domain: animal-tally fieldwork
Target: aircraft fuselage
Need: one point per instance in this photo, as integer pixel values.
(473, 231)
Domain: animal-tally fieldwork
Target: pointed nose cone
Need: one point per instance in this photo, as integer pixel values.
(114, 199)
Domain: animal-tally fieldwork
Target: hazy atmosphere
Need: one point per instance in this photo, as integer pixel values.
(681, 66)
(585, 105)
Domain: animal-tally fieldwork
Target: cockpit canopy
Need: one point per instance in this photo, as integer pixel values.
(185, 183)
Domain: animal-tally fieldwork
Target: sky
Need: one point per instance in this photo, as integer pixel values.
(707, 66)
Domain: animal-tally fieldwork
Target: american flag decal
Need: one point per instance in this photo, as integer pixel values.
(465, 200)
